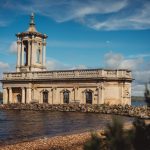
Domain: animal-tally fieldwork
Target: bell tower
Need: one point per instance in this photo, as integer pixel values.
(31, 49)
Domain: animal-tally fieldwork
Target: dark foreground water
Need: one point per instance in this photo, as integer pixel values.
(16, 126)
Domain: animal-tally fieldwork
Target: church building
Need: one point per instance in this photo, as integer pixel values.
(32, 82)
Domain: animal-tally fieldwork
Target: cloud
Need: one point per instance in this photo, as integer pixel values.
(96, 14)
(80, 67)
(117, 61)
(139, 67)
(53, 64)
(4, 65)
(13, 47)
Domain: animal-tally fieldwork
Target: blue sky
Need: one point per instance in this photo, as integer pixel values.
(83, 34)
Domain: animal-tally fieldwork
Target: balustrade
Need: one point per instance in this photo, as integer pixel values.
(93, 73)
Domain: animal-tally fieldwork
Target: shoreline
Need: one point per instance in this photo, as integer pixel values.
(73, 141)
(122, 110)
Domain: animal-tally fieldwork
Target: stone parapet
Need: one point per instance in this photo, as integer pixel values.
(69, 74)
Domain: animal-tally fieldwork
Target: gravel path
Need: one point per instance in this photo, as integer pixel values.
(67, 142)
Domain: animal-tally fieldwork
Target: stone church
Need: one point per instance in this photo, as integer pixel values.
(32, 82)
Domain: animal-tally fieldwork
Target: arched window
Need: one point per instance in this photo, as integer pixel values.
(89, 98)
(19, 98)
(66, 97)
(25, 44)
(45, 96)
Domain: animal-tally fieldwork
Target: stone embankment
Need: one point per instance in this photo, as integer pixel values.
(127, 110)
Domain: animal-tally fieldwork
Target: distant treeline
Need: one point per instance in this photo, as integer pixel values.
(1, 95)
(137, 98)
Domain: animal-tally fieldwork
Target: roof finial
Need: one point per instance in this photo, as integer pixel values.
(32, 24)
(32, 19)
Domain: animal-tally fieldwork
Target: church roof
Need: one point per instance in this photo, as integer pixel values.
(31, 30)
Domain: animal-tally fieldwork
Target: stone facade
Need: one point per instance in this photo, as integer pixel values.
(32, 83)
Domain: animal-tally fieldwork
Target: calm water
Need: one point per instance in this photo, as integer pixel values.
(22, 125)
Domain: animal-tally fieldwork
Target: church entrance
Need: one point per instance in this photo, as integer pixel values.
(66, 97)
(45, 97)
(88, 95)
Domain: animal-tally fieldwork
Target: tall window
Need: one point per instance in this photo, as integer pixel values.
(88, 95)
(38, 56)
(66, 97)
(45, 97)
(25, 53)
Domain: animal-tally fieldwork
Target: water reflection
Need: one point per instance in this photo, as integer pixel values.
(18, 125)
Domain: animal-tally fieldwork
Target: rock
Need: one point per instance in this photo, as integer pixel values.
(127, 110)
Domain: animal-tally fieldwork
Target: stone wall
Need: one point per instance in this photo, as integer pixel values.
(127, 110)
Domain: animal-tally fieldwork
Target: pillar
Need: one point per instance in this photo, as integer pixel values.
(23, 95)
(29, 53)
(10, 95)
(28, 95)
(44, 53)
(61, 98)
(5, 95)
(33, 52)
(22, 53)
(76, 94)
(41, 55)
(50, 96)
(18, 54)
(83, 98)
(101, 93)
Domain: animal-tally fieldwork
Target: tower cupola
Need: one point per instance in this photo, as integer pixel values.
(31, 49)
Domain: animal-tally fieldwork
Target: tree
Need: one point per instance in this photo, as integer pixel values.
(116, 137)
(147, 95)
(141, 135)
(94, 143)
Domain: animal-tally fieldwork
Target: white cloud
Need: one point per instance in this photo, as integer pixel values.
(79, 67)
(13, 47)
(96, 14)
(4, 65)
(117, 61)
(53, 64)
(139, 67)
(113, 60)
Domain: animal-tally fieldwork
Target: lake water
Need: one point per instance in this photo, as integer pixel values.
(22, 125)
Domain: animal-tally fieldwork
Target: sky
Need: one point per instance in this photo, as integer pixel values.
(83, 34)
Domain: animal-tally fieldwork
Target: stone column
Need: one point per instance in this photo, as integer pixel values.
(101, 94)
(10, 95)
(41, 56)
(61, 98)
(76, 93)
(50, 97)
(28, 95)
(121, 93)
(33, 51)
(23, 95)
(29, 53)
(18, 55)
(22, 53)
(83, 98)
(5, 96)
(44, 52)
